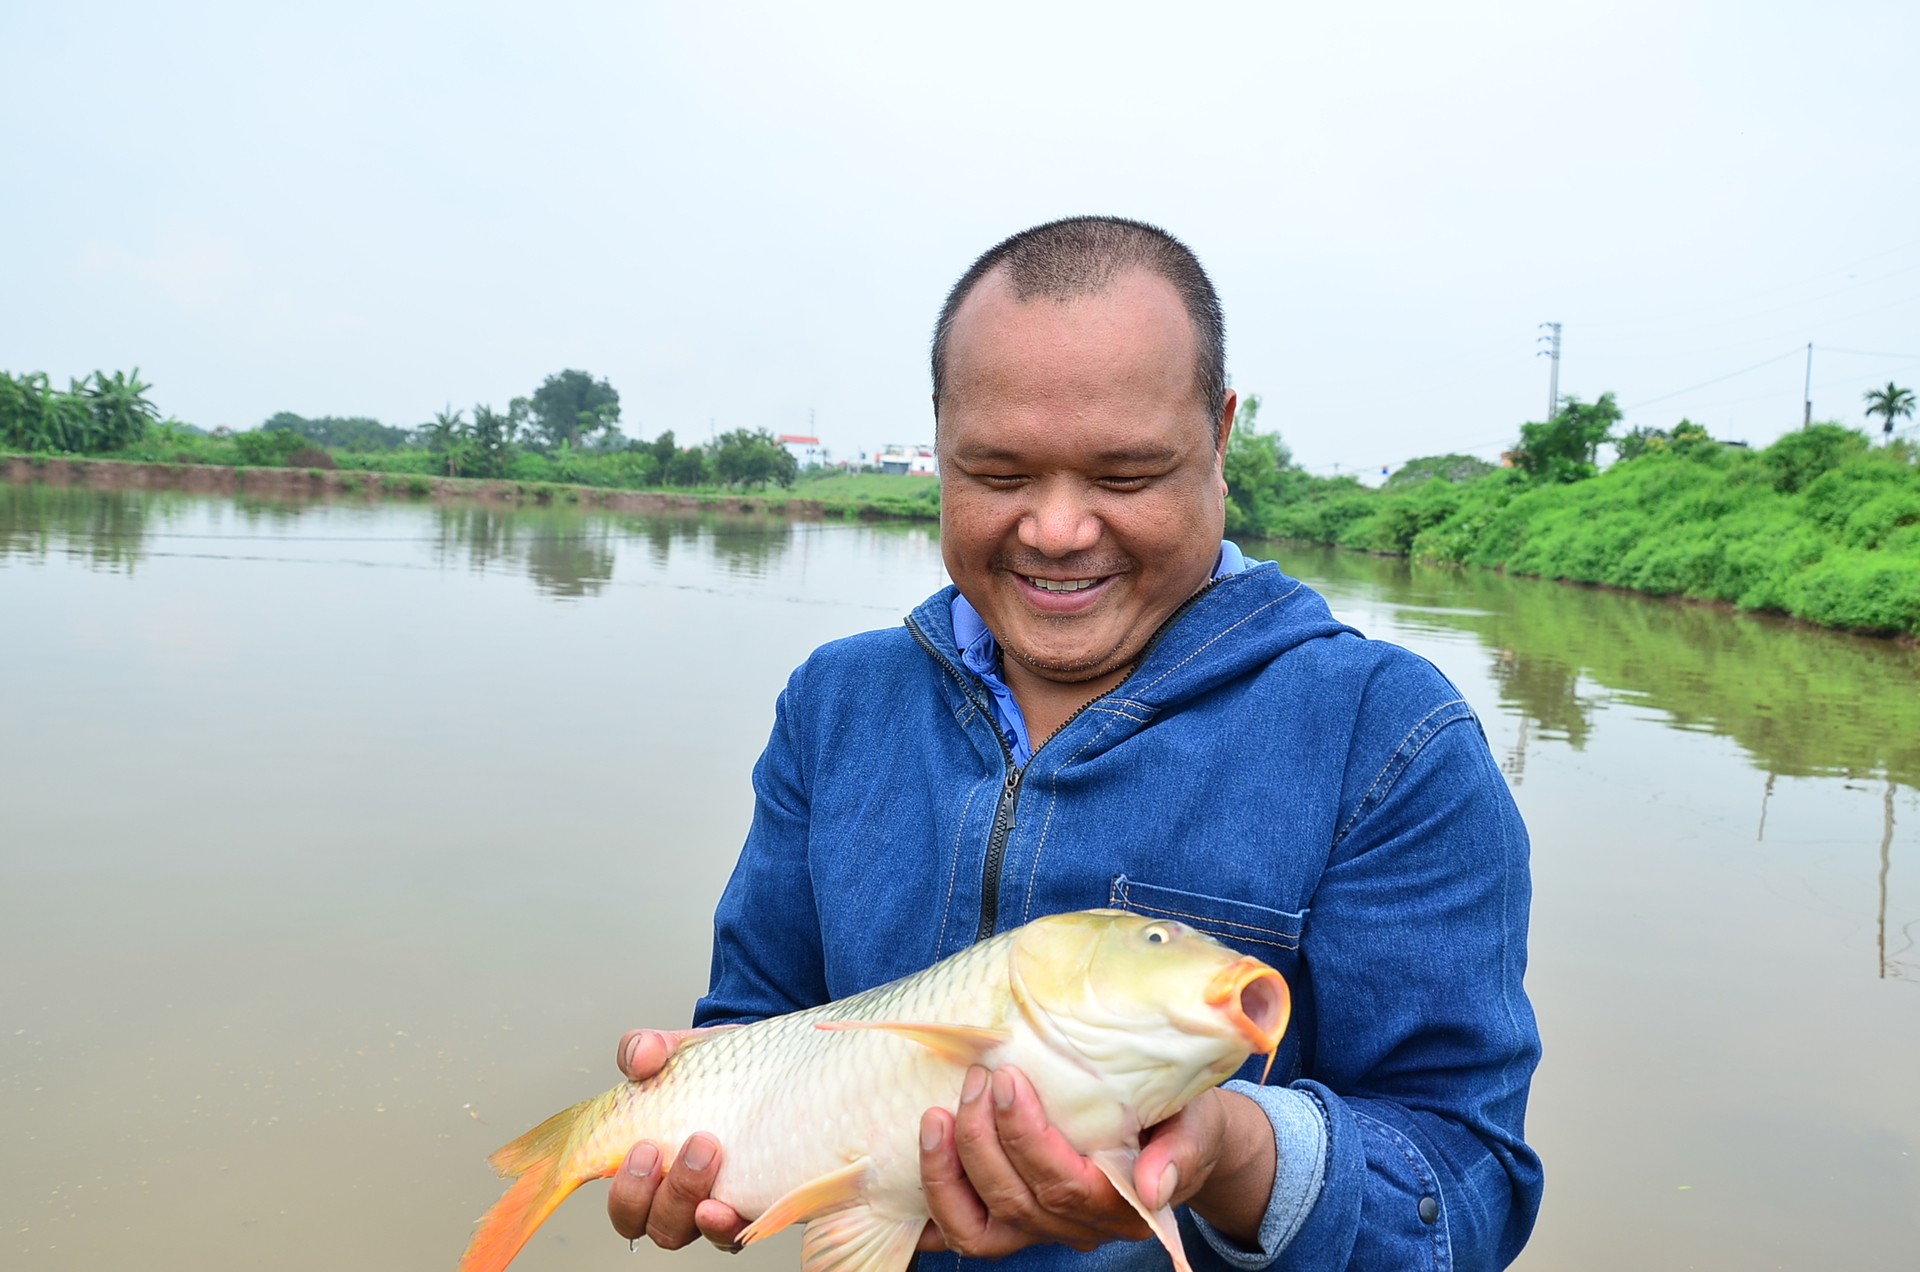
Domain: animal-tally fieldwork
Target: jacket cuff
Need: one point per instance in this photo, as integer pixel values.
(1300, 1165)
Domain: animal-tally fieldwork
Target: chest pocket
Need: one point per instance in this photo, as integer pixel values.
(1272, 936)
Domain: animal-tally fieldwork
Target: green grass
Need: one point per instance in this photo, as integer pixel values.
(1818, 526)
(837, 485)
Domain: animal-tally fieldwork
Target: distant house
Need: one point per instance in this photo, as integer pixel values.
(917, 460)
(806, 450)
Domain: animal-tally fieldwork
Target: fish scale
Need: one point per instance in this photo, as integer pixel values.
(758, 1090)
(1117, 1021)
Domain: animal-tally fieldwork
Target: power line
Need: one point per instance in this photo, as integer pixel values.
(1746, 299)
(1791, 353)
(1866, 353)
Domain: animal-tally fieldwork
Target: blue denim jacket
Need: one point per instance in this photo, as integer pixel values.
(1325, 802)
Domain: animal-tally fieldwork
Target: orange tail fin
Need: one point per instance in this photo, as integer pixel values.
(547, 1164)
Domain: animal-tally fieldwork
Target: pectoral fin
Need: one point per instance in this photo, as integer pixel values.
(962, 1044)
(857, 1240)
(1117, 1165)
(832, 1191)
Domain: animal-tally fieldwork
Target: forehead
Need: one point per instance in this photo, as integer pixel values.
(1132, 332)
(1113, 371)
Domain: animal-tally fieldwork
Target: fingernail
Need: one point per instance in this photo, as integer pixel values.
(699, 1154)
(1002, 1089)
(633, 1050)
(929, 1133)
(642, 1160)
(976, 1083)
(1169, 1180)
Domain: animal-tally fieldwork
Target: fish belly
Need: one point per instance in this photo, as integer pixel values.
(790, 1102)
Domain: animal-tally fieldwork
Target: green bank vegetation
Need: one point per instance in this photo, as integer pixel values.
(1821, 525)
(565, 433)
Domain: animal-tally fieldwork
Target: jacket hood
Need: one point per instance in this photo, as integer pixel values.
(1233, 628)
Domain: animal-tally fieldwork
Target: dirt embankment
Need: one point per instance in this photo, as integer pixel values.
(313, 483)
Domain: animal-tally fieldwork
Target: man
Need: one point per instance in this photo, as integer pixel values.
(1113, 707)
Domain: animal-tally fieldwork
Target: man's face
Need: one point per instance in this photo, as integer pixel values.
(1081, 499)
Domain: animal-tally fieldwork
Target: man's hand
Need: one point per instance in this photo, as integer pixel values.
(998, 1178)
(673, 1211)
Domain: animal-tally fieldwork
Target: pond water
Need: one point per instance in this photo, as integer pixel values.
(341, 841)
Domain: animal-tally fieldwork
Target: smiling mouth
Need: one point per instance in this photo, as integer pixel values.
(1060, 585)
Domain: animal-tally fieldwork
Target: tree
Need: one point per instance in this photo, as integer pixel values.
(99, 413)
(1563, 448)
(265, 447)
(1890, 403)
(1686, 438)
(448, 427)
(121, 413)
(1452, 468)
(349, 433)
(743, 458)
(663, 450)
(573, 406)
(1252, 468)
(486, 446)
(688, 468)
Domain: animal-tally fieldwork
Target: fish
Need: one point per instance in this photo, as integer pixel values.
(1117, 1020)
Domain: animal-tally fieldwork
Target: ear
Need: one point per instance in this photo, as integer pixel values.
(1227, 411)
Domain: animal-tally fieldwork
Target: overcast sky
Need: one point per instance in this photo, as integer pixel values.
(746, 215)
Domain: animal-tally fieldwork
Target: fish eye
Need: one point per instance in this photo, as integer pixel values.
(1157, 935)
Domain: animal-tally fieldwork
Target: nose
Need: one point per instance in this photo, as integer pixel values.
(1059, 523)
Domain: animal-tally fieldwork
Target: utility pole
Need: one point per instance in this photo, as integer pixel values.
(1806, 418)
(1552, 351)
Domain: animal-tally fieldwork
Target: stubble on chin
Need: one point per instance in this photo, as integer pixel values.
(1074, 670)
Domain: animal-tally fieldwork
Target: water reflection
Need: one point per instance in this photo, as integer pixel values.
(1880, 934)
(104, 529)
(566, 553)
(1801, 702)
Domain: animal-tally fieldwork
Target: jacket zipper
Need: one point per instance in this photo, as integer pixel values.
(997, 854)
(1003, 812)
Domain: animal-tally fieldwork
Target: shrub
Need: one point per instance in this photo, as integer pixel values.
(264, 448)
(100, 413)
(311, 457)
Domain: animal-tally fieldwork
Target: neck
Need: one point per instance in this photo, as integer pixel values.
(1048, 704)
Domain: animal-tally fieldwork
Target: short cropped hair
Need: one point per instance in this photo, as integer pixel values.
(1080, 256)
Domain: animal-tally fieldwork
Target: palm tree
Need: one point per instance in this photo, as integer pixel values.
(1891, 402)
(448, 427)
(120, 409)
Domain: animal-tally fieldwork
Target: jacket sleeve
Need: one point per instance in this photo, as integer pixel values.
(1426, 1043)
(767, 958)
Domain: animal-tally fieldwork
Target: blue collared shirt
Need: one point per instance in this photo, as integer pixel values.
(981, 654)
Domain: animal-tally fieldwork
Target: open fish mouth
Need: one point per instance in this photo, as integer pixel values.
(1254, 999)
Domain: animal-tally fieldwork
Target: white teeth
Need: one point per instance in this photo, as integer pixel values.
(1062, 585)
